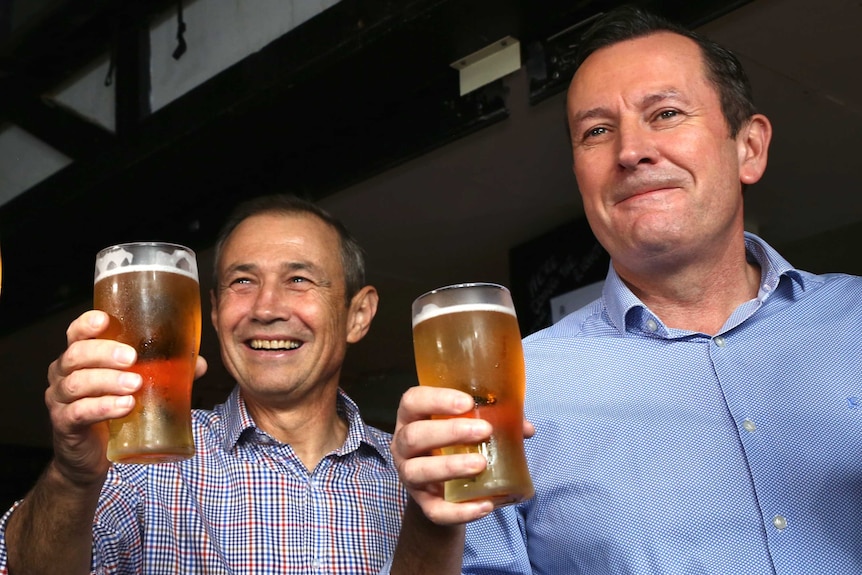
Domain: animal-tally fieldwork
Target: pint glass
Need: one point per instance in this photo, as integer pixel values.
(466, 337)
(151, 293)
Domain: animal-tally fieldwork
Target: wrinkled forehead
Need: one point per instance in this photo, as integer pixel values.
(278, 236)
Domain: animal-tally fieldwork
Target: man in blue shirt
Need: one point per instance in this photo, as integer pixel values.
(703, 415)
(286, 477)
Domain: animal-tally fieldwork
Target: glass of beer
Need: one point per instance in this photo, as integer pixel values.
(466, 337)
(150, 291)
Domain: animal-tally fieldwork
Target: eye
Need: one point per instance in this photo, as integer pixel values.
(667, 114)
(239, 281)
(299, 283)
(238, 284)
(595, 134)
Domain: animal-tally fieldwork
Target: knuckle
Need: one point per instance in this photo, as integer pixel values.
(72, 385)
(74, 413)
(409, 440)
(72, 356)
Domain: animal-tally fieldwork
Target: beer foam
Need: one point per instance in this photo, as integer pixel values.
(120, 261)
(432, 310)
(145, 268)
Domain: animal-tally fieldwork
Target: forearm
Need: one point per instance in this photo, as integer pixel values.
(51, 532)
(425, 547)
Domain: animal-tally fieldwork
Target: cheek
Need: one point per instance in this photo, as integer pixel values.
(588, 189)
(228, 314)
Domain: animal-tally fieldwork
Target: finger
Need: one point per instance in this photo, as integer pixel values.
(91, 353)
(529, 429)
(95, 382)
(84, 413)
(421, 472)
(421, 402)
(420, 437)
(443, 512)
(88, 325)
(200, 367)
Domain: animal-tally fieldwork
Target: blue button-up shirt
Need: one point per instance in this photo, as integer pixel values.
(246, 505)
(660, 450)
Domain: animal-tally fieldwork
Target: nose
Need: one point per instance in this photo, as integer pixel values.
(636, 145)
(270, 304)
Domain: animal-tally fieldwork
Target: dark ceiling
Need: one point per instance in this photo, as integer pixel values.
(360, 88)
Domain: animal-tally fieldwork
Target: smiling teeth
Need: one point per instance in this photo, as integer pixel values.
(274, 344)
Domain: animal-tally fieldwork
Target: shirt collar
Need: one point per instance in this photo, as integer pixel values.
(238, 423)
(622, 304)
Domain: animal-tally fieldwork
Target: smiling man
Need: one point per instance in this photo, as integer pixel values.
(286, 478)
(697, 418)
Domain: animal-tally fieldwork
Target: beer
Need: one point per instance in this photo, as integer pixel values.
(156, 309)
(476, 348)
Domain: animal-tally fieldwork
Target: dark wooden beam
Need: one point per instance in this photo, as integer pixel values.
(61, 128)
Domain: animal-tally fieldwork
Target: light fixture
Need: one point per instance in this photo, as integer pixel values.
(488, 64)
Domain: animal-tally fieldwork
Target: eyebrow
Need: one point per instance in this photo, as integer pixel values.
(287, 266)
(645, 102)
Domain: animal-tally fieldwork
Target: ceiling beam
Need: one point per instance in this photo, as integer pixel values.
(61, 128)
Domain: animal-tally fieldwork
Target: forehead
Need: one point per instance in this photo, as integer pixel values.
(279, 236)
(657, 62)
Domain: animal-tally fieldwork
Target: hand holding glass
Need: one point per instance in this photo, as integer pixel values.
(151, 293)
(466, 337)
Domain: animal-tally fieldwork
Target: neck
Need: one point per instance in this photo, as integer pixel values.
(699, 296)
(312, 430)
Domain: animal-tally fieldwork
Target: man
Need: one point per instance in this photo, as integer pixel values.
(287, 478)
(699, 417)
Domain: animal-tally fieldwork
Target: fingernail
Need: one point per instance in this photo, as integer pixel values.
(124, 355)
(486, 507)
(462, 403)
(125, 401)
(97, 320)
(130, 381)
(479, 428)
(477, 463)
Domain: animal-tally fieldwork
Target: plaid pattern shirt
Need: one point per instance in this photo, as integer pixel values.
(245, 504)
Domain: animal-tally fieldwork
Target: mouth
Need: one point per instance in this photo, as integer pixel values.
(274, 344)
(637, 189)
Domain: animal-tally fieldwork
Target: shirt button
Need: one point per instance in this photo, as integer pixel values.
(719, 341)
(780, 522)
(748, 425)
(651, 325)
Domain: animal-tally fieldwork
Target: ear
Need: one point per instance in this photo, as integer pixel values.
(363, 307)
(753, 145)
(214, 309)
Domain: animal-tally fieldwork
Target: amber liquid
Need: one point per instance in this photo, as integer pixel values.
(157, 312)
(479, 351)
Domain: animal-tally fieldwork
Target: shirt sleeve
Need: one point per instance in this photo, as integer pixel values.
(95, 568)
(387, 567)
(497, 544)
(117, 526)
(117, 530)
(4, 555)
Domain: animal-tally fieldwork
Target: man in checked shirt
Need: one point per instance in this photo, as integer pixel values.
(286, 479)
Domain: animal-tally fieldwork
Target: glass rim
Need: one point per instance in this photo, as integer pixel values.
(106, 268)
(146, 244)
(460, 286)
